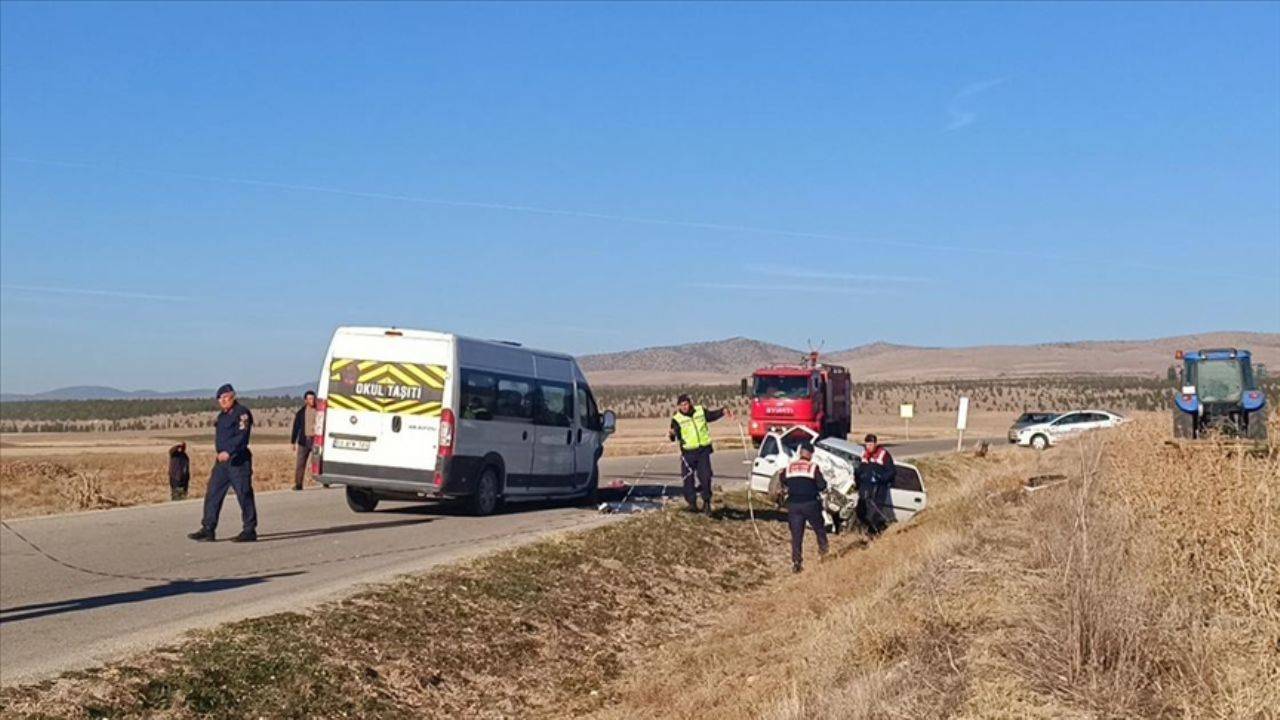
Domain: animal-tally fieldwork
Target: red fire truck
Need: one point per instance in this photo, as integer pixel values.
(813, 394)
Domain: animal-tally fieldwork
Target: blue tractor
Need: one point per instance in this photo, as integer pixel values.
(1218, 394)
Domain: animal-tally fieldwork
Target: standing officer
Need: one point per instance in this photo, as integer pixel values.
(233, 469)
(875, 477)
(689, 425)
(804, 482)
(302, 437)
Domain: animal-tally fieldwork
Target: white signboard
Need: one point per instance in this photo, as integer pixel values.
(906, 411)
(962, 417)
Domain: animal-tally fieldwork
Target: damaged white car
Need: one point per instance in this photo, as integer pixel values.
(838, 460)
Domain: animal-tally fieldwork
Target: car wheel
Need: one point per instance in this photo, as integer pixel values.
(1039, 442)
(361, 501)
(485, 499)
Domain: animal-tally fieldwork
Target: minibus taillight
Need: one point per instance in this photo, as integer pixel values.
(444, 448)
(317, 446)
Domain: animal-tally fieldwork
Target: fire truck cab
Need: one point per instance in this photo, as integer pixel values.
(811, 394)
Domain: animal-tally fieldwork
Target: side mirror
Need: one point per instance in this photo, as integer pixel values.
(609, 423)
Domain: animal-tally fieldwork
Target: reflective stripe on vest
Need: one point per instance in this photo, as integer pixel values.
(694, 431)
(877, 457)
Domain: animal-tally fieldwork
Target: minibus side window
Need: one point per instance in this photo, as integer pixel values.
(515, 400)
(555, 404)
(479, 395)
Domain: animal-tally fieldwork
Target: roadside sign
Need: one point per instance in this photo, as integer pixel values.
(962, 419)
(907, 411)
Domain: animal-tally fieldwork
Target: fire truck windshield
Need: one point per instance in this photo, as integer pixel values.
(777, 387)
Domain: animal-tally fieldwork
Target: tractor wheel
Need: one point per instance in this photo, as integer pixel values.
(1184, 425)
(1040, 441)
(1257, 429)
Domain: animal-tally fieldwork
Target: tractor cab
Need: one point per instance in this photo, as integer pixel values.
(1218, 392)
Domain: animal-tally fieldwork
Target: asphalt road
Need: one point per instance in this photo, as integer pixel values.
(141, 582)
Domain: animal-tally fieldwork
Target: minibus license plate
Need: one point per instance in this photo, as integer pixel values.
(345, 444)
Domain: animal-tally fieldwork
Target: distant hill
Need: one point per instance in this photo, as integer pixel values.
(701, 362)
(726, 361)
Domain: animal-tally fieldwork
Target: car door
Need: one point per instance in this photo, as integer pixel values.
(553, 446)
(907, 494)
(769, 460)
(1065, 426)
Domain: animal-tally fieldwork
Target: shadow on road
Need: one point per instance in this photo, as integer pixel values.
(338, 529)
(154, 592)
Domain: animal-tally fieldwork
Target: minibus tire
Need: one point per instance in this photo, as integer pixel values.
(361, 501)
(484, 501)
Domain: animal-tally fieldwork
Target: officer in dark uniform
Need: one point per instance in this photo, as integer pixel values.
(875, 476)
(804, 483)
(233, 469)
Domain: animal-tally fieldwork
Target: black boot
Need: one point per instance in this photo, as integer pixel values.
(246, 536)
(201, 535)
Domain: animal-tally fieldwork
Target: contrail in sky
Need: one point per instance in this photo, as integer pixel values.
(96, 293)
(960, 115)
(558, 212)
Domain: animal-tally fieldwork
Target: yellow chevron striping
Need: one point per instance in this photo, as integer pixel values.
(339, 364)
(403, 377)
(421, 374)
(366, 402)
(366, 364)
(341, 402)
(402, 406)
(372, 374)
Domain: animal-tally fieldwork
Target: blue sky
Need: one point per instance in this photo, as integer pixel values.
(197, 193)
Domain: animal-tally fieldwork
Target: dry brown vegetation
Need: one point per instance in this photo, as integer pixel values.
(1137, 580)
(68, 482)
(1144, 583)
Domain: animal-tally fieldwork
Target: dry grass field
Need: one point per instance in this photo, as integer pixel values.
(1113, 590)
(56, 475)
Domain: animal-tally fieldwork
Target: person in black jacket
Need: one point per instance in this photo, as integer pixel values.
(875, 476)
(805, 484)
(179, 471)
(303, 437)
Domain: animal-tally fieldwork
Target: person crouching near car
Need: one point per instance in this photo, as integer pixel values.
(804, 482)
(179, 471)
(875, 477)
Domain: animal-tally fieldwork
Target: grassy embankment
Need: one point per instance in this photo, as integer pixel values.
(1143, 584)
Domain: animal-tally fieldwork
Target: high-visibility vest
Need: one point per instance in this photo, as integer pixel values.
(694, 431)
(876, 457)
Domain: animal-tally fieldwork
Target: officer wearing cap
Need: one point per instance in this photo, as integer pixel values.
(232, 469)
(804, 482)
(689, 426)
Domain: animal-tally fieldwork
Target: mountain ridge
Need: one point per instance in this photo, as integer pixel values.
(730, 359)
